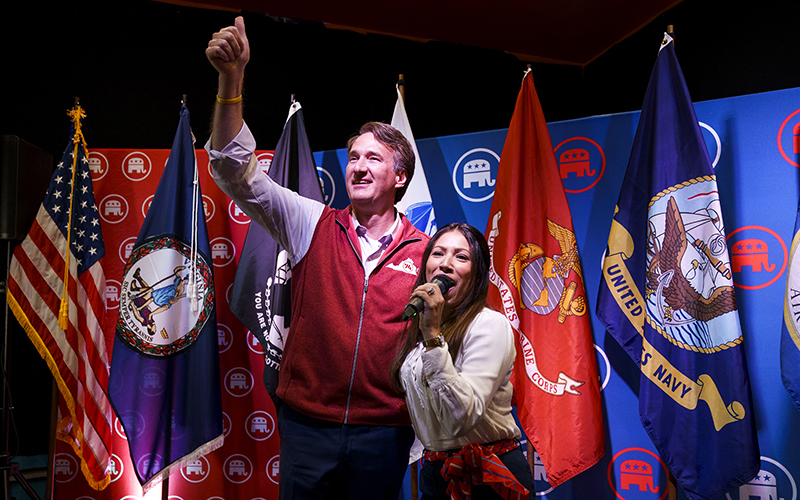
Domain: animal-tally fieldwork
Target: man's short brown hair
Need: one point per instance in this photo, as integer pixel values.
(402, 153)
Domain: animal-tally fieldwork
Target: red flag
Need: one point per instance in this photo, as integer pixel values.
(539, 285)
(66, 324)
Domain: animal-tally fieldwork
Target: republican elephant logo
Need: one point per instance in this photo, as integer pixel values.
(759, 256)
(575, 161)
(762, 487)
(478, 172)
(581, 163)
(637, 473)
(751, 252)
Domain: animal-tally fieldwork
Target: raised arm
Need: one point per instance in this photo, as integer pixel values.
(229, 52)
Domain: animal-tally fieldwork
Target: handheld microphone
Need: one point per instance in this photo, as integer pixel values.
(416, 304)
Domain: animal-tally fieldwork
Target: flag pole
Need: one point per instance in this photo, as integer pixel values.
(63, 313)
(412, 468)
(51, 445)
(165, 482)
(530, 449)
(672, 483)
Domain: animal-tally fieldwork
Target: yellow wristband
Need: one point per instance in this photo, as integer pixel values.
(229, 101)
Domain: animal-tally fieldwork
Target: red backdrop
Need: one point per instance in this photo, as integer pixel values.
(246, 466)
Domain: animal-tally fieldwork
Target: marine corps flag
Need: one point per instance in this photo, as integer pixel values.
(790, 337)
(261, 294)
(539, 285)
(164, 381)
(667, 296)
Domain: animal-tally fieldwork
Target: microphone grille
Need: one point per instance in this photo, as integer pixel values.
(445, 282)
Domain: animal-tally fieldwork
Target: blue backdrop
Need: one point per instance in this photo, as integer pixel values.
(754, 142)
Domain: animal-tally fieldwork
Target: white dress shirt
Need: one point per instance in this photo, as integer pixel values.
(294, 229)
(469, 401)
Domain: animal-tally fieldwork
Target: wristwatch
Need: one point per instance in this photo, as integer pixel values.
(434, 342)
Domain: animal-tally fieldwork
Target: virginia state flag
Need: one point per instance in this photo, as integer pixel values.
(790, 338)
(261, 294)
(667, 296)
(416, 203)
(164, 381)
(539, 285)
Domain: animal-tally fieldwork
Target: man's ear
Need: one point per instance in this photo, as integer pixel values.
(402, 178)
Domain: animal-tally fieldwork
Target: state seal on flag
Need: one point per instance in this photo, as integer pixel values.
(157, 317)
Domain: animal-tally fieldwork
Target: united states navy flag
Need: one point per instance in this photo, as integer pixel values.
(261, 297)
(790, 337)
(164, 381)
(667, 296)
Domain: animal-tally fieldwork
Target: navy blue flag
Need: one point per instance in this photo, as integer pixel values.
(261, 294)
(164, 381)
(790, 337)
(667, 297)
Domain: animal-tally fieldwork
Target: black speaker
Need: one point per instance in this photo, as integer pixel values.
(25, 172)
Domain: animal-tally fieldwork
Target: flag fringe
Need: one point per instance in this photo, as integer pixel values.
(184, 460)
(33, 335)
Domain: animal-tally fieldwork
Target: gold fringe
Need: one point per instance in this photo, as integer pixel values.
(33, 335)
(184, 460)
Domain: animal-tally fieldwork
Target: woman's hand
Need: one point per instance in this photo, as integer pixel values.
(430, 321)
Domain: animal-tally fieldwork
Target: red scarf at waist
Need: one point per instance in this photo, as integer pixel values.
(477, 464)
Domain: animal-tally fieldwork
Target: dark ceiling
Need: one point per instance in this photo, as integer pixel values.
(130, 61)
(574, 32)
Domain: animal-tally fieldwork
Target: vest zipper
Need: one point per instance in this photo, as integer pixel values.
(358, 344)
(363, 306)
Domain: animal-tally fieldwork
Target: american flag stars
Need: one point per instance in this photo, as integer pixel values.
(85, 239)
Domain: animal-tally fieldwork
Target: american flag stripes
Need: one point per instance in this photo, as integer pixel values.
(67, 328)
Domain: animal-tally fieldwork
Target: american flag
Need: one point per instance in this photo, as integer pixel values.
(67, 329)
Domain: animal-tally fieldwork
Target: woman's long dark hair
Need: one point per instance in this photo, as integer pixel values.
(454, 326)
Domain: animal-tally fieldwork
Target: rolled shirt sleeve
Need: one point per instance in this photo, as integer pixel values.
(286, 216)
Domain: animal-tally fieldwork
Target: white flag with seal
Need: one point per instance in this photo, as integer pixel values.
(416, 203)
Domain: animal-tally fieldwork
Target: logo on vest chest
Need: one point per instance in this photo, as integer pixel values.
(407, 266)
